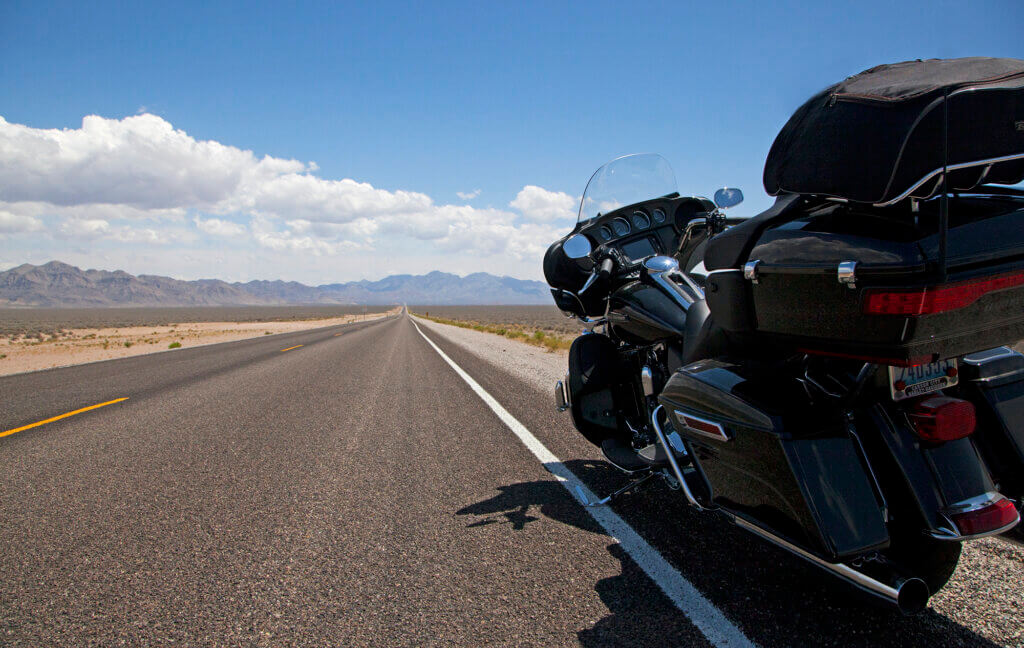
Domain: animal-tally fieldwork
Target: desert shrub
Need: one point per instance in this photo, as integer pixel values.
(174, 345)
(550, 340)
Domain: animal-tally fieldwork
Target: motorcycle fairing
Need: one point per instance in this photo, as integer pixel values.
(596, 391)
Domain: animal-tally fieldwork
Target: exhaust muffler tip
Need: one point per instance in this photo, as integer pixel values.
(912, 595)
(561, 400)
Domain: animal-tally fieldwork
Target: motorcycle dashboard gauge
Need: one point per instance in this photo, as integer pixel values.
(620, 226)
(640, 220)
(605, 233)
(659, 216)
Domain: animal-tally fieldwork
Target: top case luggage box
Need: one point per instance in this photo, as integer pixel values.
(793, 290)
(879, 136)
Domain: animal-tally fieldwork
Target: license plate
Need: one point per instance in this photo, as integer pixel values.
(907, 382)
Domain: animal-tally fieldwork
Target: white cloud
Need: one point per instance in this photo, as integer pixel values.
(540, 205)
(146, 235)
(140, 161)
(85, 228)
(293, 195)
(103, 179)
(38, 209)
(17, 223)
(93, 229)
(218, 227)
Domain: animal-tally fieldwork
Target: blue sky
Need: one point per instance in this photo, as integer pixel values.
(419, 102)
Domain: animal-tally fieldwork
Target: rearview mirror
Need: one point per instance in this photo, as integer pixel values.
(577, 246)
(727, 197)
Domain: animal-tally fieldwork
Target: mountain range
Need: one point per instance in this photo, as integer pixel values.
(59, 285)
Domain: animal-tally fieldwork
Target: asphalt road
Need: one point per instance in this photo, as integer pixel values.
(354, 490)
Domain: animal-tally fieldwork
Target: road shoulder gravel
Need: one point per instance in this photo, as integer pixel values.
(534, 365)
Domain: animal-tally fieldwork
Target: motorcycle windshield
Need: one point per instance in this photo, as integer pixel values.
(624, 181)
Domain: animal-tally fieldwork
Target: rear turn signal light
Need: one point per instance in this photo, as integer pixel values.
(936, 299)
(992, 517)
(941, 418)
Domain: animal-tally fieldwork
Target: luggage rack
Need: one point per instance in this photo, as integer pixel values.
(942, 171)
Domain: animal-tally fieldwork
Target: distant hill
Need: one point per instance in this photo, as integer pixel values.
(59, 285)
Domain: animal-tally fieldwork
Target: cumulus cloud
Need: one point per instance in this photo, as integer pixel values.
(44, 210)
(333, 201)
(540, 205)
(85, 228)
(218, 227)
(98, 181)
(90, 229)
(298, 236)
(140, 161)
(18, 223)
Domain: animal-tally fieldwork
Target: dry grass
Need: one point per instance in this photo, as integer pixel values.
(548, 339)
(534, 318)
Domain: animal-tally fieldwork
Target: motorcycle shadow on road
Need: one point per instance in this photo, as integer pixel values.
(774, 598)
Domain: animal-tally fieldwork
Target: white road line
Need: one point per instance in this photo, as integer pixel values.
(701, 612)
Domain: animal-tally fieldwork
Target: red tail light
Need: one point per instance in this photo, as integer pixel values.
(936, 299)
(991, 517)
(896, 362)
(941, 418)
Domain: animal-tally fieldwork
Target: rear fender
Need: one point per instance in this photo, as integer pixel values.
(994, 381)
(921, 480)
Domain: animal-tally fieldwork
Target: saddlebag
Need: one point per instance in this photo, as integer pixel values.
(792, 469)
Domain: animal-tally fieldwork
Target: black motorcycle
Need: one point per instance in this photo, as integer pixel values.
(827, 374)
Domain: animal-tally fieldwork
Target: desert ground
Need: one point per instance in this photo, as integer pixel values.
(532, 318)
(34, 339)
(543, 326)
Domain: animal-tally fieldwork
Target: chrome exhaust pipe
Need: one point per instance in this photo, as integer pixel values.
(909, 594)
(561, 401)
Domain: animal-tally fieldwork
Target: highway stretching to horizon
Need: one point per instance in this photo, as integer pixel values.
(372, 483)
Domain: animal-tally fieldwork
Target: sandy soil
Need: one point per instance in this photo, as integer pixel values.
(79, 346)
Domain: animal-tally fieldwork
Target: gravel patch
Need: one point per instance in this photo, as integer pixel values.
(534, 365)
(985, 592)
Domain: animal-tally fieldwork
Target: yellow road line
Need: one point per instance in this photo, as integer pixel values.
(62, 416)
(290, 348)
(337, 334)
